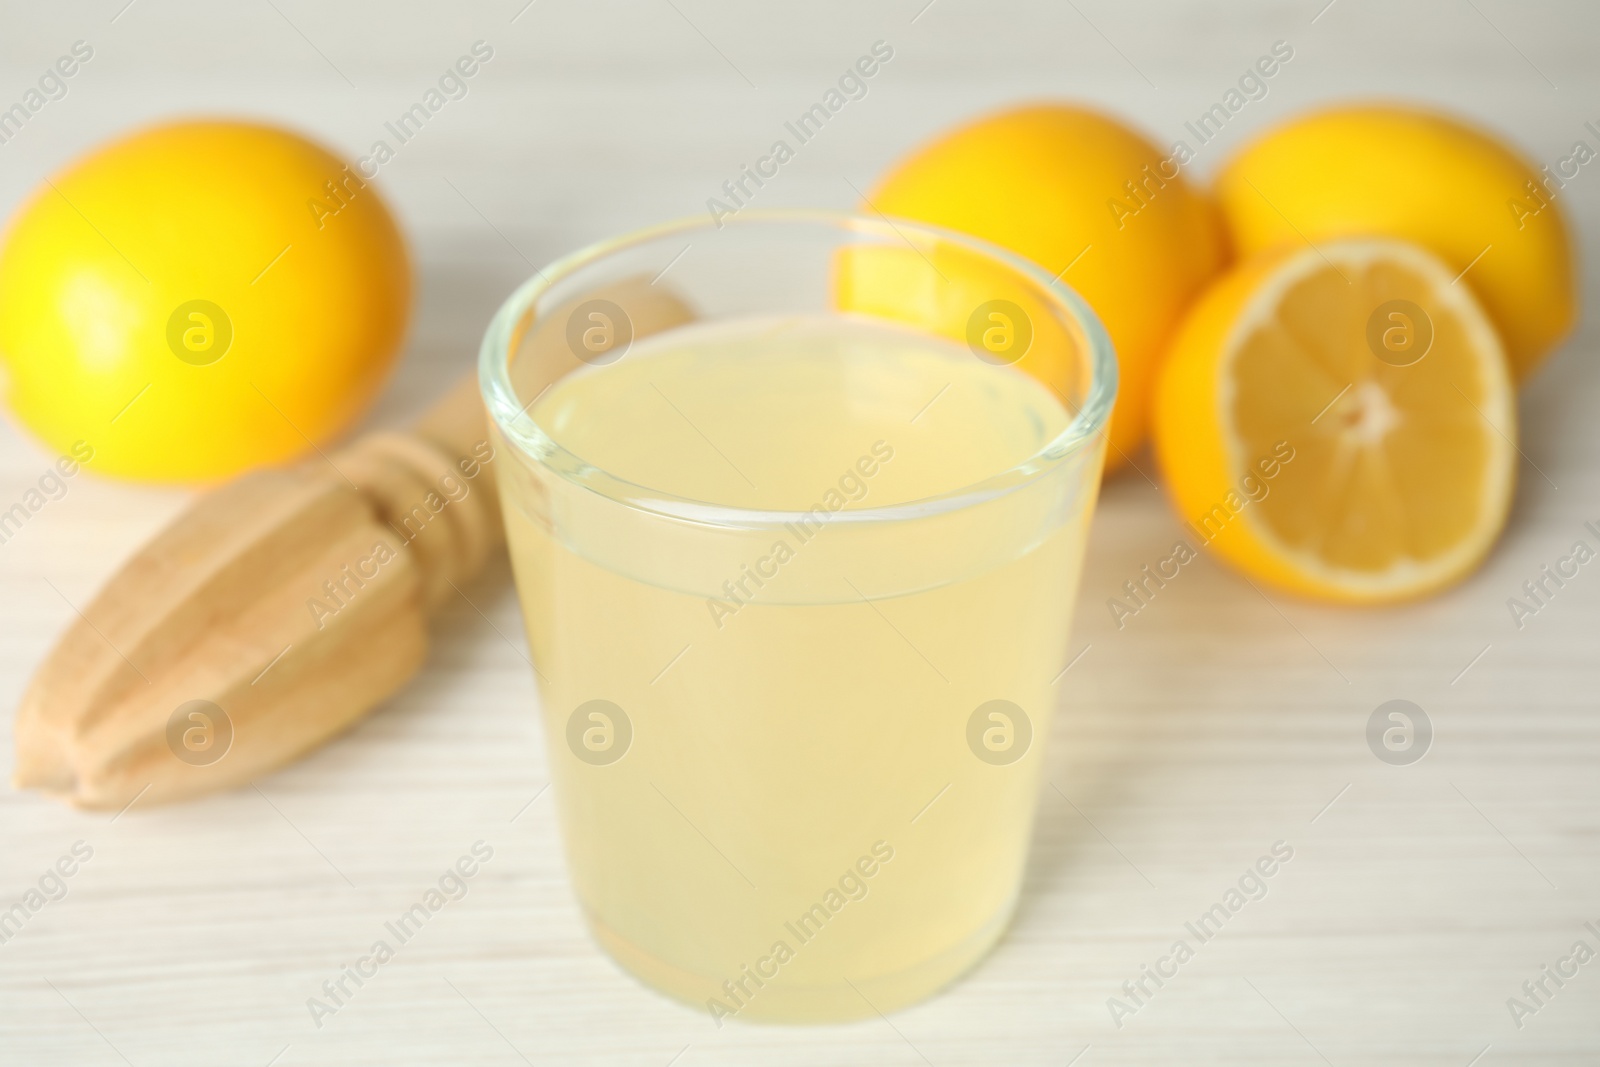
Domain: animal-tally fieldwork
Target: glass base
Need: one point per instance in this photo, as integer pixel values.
(780, 1002)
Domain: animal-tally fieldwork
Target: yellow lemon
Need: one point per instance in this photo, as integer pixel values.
(1423, 177)
(1005, 318)
(1340, 422)
(1082, 196)
(198, 299)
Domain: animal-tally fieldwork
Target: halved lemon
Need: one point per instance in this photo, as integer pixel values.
(1339, 421)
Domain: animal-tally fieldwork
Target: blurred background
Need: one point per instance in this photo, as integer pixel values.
(1185, 744)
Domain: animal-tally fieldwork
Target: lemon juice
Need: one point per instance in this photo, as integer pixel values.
(796, 651)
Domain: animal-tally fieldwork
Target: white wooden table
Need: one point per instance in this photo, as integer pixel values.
(1217, 722)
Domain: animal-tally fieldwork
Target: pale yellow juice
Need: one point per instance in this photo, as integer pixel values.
(793, 815)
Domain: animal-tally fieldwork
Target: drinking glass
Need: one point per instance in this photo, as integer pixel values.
(796, 505)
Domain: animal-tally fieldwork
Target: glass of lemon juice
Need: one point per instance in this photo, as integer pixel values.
(797, 506)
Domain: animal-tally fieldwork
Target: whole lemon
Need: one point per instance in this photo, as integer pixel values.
(1087, 199)
(1412, 174)
(198, 299)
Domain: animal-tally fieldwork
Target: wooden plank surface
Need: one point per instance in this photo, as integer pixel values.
(1213, 724)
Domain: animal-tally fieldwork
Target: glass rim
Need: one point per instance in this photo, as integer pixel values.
(520, 429)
